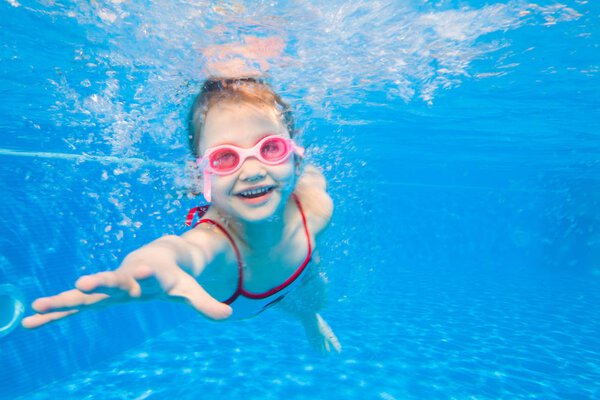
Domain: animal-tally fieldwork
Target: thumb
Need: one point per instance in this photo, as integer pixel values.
(195, 295)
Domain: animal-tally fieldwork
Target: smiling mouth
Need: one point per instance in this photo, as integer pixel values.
(255, 193)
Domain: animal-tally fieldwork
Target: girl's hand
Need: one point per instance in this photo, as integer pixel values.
(139, 281)
(321, 336)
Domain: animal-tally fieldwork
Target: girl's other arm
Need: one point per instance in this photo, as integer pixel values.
(308, 299)
(304, 304)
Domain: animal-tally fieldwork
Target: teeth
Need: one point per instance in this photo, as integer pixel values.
(254, 192)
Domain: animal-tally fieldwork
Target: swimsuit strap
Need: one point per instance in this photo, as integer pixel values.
(237, 255)
(298, 272)
(200, 211)
(240, 289)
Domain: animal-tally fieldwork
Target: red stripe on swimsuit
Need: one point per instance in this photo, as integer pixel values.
(240, 291)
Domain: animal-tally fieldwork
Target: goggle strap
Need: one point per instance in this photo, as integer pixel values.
(206, 191)
(299, 150)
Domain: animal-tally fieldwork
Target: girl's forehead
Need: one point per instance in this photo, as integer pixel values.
(239, 124)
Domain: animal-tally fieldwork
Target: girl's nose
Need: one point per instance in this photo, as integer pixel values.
(252, 170)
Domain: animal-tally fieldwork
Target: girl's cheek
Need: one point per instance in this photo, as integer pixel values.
(289, 175)
(221, 184)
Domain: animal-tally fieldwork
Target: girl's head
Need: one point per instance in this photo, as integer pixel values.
(241, 131)
(250, 92)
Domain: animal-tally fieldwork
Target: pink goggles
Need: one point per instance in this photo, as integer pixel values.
(227, 159)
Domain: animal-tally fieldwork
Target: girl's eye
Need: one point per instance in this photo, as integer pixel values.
(224, 159)
(273, 149)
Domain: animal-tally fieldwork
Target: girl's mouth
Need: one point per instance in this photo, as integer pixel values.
(256, 193)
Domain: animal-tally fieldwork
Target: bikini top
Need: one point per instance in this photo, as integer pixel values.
(244, 303)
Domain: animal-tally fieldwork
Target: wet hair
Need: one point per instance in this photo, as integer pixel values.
(249, 90)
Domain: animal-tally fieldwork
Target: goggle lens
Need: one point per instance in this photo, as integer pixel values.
(224, 160)
(274, 149)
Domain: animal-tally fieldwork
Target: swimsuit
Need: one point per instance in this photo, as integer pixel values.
(247, 304)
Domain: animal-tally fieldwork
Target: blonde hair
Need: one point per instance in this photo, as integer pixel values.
(254, 91)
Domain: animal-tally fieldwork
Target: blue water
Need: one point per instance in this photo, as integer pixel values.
(461, 145)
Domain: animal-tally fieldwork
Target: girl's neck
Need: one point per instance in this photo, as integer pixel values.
(256, 236)
(263, 235)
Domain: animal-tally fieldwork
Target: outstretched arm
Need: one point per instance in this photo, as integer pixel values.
(166, 268)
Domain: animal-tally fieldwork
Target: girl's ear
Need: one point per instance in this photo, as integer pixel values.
(194, 178)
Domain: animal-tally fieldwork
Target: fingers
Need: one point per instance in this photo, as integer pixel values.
(110, 282)
(60, 306)
(188, 289)
(331, 344)
(37, 320)
(141, 281)
(335, 343)
(331, 341)
(66, 301)
(92, 291)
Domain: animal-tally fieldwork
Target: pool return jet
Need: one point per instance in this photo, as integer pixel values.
(12, 306)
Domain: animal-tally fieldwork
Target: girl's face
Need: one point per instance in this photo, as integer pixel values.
(256, 191)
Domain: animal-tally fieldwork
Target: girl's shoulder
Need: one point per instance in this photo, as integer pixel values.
(209, 238)
(316, 203)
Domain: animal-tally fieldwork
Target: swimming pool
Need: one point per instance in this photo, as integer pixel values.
(460, 142)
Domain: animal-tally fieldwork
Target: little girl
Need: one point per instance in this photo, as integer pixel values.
(254, 246)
